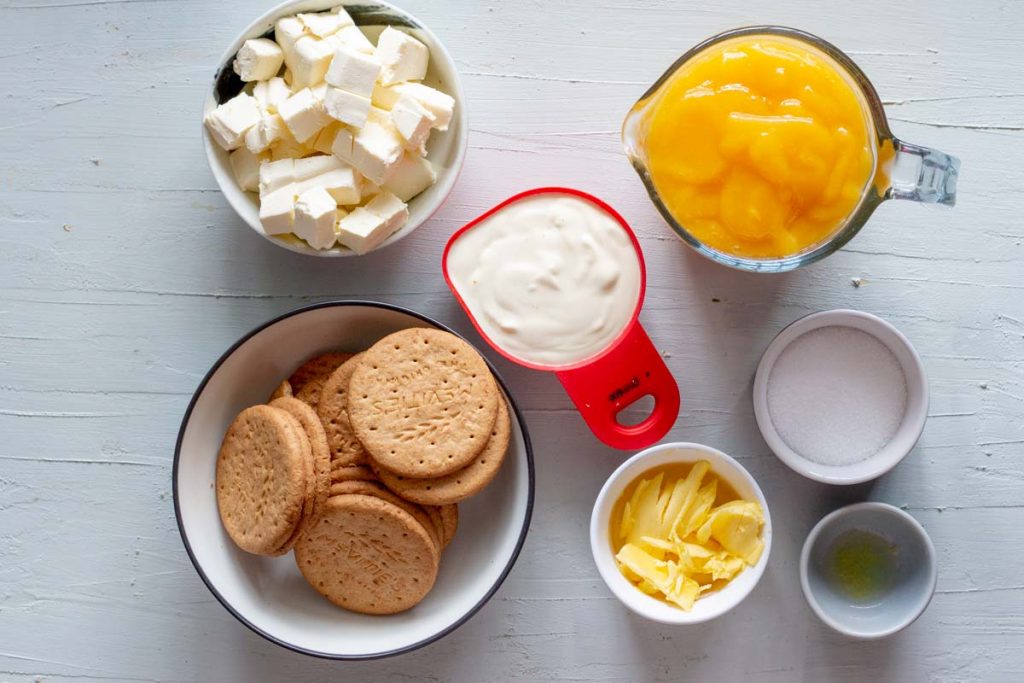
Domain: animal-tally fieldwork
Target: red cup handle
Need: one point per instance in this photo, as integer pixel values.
(603, 388)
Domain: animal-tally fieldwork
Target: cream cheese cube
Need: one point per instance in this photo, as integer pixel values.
(287, 32)
(228, 123)
(269, 94)
(385, 98)
(323, 24)
(265, 133)
(369, 189)
(353, 71)
(346, 107)
(276, 174)
(277, 211)
(343, 184)
(258, 60)
(315, 217)
(376, 149)
(402, 57)
(390, 208)
(246, 167)
(259, 92)
(368, 226)
(319, 92)
(289, 148)
(341, 213)
(441, 105)
(352, 37)
(413, 122)
(342, 145)
(382, 117)
(310, 167)
(325, 138)
(361, 230)
(282, 172)
(303, 115)
(308, 61)
(412, 175)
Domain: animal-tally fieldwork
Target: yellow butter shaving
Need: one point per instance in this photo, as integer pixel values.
(677, 545)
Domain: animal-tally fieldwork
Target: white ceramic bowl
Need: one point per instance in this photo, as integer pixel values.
(907, 433)
(446, 150)
(710, 606)
(268, 594)
(913, 585)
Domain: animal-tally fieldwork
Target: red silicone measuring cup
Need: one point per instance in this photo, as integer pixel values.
(628, 369)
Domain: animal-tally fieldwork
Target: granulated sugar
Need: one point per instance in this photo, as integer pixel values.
(837, 395)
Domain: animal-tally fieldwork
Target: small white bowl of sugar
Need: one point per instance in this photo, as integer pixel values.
(841, 396)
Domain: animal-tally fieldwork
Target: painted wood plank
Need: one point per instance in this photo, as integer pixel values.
(125, 274)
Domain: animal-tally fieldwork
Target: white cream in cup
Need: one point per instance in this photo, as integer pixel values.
(554, 279)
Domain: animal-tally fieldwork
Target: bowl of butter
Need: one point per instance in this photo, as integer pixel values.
(335, 128)
(681, 533)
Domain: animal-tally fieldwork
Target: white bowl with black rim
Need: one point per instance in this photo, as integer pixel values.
(268, 594)
(446, 150)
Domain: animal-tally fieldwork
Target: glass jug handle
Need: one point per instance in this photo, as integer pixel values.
(923, 175)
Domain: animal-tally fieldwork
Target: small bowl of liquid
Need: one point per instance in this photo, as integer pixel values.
(766, 148)
(868, 570)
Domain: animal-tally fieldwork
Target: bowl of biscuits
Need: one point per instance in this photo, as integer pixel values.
(352, 480)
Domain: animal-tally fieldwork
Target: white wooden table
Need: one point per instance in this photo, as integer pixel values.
(125, 274)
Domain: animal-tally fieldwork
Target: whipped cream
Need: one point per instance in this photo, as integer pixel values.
(551, 279)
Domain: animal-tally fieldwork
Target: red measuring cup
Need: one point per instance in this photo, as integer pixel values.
(626, 370)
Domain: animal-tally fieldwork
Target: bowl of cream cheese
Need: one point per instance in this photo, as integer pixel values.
(383, 127)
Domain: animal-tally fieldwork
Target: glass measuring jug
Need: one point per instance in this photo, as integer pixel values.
(893, 169)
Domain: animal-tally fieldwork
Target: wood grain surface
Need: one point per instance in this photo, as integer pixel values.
(125, 274)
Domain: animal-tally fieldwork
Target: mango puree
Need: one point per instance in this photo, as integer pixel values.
(679, 531)
(760, 146)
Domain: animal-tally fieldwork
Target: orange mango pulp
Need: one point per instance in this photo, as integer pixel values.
(760, 147)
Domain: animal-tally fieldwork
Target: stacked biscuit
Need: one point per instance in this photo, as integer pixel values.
(358, 461)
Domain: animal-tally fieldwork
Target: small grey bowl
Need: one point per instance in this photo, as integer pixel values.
(912, 587)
